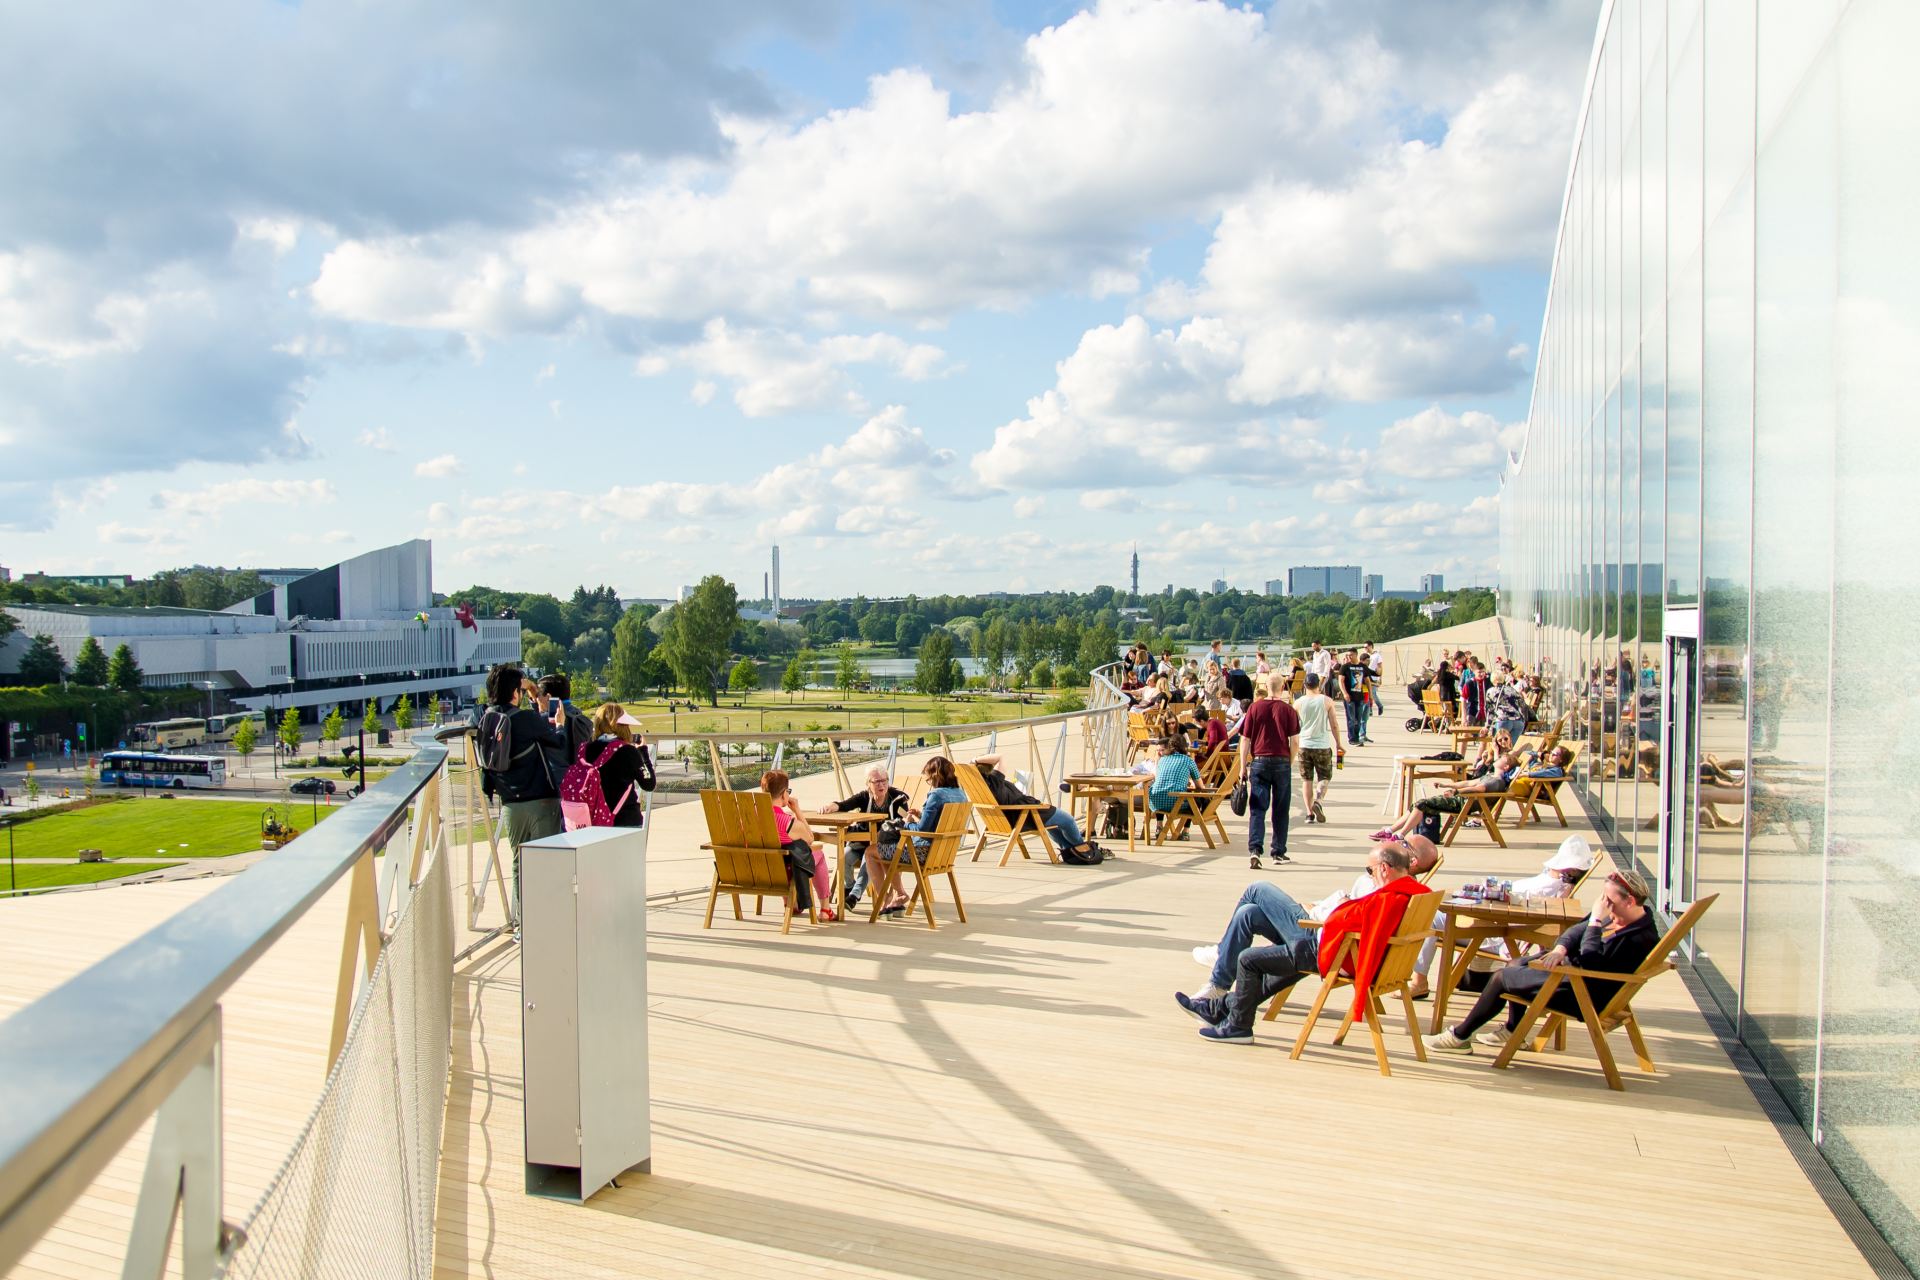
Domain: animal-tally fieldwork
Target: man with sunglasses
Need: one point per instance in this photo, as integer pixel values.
(1616, 938)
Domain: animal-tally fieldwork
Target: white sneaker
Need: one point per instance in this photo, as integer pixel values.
(1447, 1042)
(1210, 992)
(1208, 956)
(1492, 1037)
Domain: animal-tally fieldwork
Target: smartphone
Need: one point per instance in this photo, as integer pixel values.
(553, 705)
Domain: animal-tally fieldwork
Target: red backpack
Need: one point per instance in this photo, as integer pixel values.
(583, 801)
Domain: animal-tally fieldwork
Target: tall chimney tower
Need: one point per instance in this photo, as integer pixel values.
(775, 575)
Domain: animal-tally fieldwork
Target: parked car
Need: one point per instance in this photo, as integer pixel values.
(311, 787)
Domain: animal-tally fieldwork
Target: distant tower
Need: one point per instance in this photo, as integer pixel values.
(1136, 571)
(776, 580)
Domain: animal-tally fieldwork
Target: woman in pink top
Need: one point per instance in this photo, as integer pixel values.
(797, 835)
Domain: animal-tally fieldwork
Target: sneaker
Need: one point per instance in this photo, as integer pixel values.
(1210, 992)
(1384, 833)
(1210, 1012)
(1492, 1037)
(1319, 814)
(1208, 956)
(1447, 1042)
(1281, 860)
(1226, 1035)
(1254, 859)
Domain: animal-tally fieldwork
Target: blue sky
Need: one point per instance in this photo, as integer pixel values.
(938, 297)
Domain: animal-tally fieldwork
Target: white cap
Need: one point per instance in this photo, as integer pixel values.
(1573, 855)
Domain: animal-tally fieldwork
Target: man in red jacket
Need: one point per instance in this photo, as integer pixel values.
(1261, 973)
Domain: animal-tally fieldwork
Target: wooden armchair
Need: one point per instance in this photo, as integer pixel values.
(1599, 1021)
(1009, 823)
(747, 855)
(943, 850)
(1201, 808)
(1433, 712)
(1395, 972)
(1527, 794)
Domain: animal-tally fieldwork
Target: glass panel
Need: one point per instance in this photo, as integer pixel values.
(1867, 1119)
(1792, 579)
(1727, 491)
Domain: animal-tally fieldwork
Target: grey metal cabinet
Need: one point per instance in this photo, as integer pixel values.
(583, 1015)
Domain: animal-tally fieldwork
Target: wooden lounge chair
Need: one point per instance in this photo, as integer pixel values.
(943, 850)
(747, 857)
(1599, 1021)
(1395, 972)
(1201, 808)
(1527, 794)
(1009, 823)
(1484, 805)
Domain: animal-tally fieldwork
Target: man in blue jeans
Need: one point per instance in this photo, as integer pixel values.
(1269, 735)
(1245, 976)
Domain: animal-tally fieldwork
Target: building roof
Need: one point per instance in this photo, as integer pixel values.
(113, 611)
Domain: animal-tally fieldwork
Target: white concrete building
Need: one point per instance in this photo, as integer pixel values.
(362, 629)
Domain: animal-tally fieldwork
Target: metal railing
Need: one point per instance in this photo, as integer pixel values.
(138, 1035)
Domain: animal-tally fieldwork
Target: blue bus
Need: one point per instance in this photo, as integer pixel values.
(159, 769)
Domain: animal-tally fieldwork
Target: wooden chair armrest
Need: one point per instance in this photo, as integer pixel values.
(1575, 971)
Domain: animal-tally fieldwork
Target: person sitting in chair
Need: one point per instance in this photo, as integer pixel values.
(1058, 822)
(1557, 877)
(1257, 974)
(1616, 938)
(879, 796)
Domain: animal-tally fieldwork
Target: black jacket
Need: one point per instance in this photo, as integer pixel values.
(861, 801)
(1006, 793)
(626, 769)
(1590, 948)
(528, 777)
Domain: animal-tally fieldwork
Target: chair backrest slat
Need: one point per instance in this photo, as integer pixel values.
(981, 797)
(1658, 957)
(1396, 966)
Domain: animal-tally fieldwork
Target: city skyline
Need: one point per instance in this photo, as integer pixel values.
(885, 290)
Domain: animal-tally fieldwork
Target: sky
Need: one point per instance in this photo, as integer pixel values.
(939, 297)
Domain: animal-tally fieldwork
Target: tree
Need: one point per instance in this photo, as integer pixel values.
(996, 645)
(123, 672)
(934, 673)
(695, 643)
(403, 713)
(627, 665)
(910, 630)
(1042, 674)
(91, 666)
(7, 625)
(848, 673)
(541, 653)
(591, 648)
(745, 677)
(435, 710)
(370, 718)
(794, 678)
(246, 738)
(333, 726)
(1099, 645)
(42, 663)
(289, 731)
(1391, 620)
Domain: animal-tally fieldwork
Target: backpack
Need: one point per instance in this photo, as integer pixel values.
(1429, 826)
(583, 801)
(496, 741)
(1091, 856)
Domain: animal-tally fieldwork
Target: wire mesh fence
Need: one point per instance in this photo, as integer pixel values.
(357, 1194)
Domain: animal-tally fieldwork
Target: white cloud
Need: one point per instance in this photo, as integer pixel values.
(1028, 507)
(546, 371)
(775, 372)
(1436, 445)
(209, 499)
(378, 439)
(702, 392)
(905, 205)
(439, 468)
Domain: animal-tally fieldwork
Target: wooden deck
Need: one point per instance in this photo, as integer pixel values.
(1019, 1096)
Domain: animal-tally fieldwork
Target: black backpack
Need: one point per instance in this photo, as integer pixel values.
(1091, 856)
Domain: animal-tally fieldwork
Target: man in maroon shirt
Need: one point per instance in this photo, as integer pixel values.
(1269, 734)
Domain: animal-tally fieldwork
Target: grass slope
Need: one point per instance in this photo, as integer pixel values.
(39, 875)
(148, 827)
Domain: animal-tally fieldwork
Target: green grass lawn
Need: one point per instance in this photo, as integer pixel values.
(40, 875)
(149, 827)
(769, 711)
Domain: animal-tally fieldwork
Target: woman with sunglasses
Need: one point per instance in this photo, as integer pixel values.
(1616, 938)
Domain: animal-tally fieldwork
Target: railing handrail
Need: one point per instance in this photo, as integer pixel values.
(951, 729)
(88, 1045)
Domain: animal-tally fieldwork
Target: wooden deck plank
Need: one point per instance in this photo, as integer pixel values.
(1017, 1096)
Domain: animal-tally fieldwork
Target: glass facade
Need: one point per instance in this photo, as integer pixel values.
(1708, 542)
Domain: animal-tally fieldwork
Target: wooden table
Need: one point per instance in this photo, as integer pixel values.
(1471, 924)
(837, 827)
(1108, 786)
(1400, 795)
